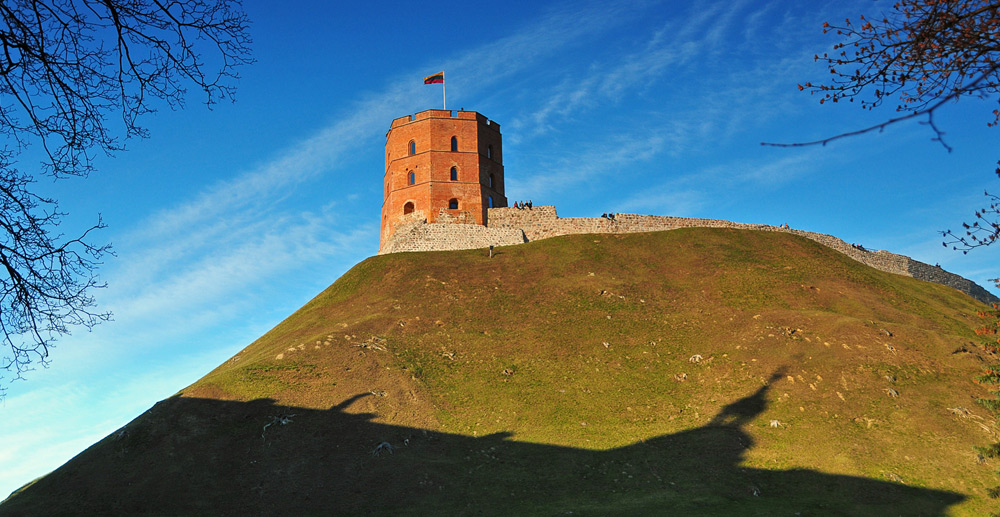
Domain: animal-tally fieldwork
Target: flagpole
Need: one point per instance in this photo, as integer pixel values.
(436, 78)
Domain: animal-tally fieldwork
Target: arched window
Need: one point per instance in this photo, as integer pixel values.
(413, 147)
(490, 201)
(408, 208)
(454, 174)
(453, 203)
(489, 151)
(492, 180)
(413, 178)
(454, 144)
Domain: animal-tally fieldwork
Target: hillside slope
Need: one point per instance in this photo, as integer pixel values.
(705, 371)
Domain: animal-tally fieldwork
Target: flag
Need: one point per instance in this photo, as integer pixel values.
(433, 79)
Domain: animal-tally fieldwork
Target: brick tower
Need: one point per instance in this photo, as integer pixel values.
(441, 167)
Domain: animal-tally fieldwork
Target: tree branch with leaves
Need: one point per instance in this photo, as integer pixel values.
(982, 231)
(918, 57)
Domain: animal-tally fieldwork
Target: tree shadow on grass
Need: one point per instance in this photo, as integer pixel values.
(205, 456)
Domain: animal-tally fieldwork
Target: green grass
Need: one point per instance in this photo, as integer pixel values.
(557, 377)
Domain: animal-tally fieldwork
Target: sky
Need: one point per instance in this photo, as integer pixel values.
(226, 220)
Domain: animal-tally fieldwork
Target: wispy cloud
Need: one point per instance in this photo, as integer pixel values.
(579, 167)
(703, 95)
(216, 258)
(191, 260)
(682, 203)
(687, 192)
(671, 50)
(188, 257)
(259, 250)
(562, 26)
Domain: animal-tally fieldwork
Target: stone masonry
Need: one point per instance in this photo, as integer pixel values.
(443, 236)
(509, 226)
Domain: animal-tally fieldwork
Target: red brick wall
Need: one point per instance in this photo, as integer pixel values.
(432, 131)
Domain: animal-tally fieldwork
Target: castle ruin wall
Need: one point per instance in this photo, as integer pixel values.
(542, 222)
(508, 226)
(420, 236)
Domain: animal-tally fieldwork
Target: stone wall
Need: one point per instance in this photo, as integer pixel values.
(456, 217)
(516, 226)
(937, 275)
(542, 222)
(421, 236)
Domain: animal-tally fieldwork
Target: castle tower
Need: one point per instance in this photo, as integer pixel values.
(441, 167)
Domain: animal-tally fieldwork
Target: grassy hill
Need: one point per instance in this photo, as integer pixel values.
(694, 371)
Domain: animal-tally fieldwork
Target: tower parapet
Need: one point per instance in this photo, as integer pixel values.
(441, 166)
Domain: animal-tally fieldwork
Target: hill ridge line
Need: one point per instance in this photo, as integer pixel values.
(511, 226)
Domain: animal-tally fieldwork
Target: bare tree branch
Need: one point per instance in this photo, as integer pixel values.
(75, 78)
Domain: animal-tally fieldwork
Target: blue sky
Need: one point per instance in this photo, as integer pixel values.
(227, 220)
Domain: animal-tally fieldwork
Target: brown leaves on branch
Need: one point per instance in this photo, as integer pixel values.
(982, 231)
(920, 56)
(924, 52)
(991, 329)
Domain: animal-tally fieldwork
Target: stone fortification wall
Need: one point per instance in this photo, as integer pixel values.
(542, 222)
(937, 275)
(420, 236)
(506, 226)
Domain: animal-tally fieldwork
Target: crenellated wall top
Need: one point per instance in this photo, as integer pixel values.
(426, 114)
